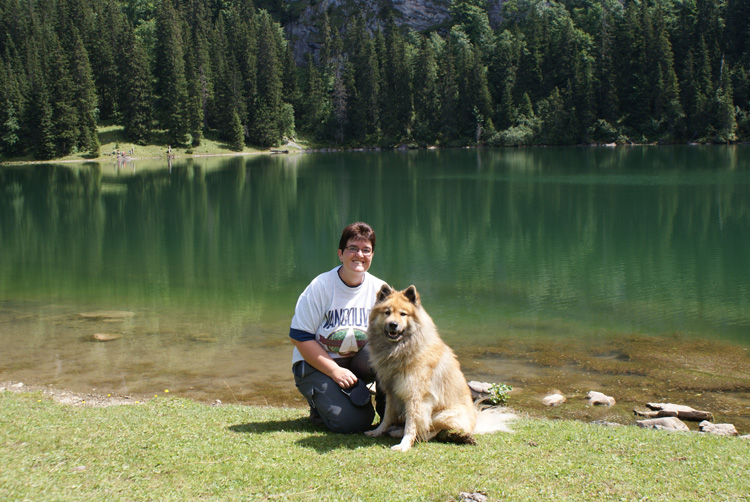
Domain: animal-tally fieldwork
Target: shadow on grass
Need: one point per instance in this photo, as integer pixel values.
(322, 441)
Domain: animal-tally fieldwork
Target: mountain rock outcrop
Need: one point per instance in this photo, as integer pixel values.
(303, 31)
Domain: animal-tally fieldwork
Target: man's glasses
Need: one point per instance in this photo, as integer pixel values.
(355, 250)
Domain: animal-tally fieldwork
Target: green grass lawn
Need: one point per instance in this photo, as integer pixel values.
(176, 449)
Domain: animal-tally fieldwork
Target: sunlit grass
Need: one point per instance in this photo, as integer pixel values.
(112, 139)
(177, 449)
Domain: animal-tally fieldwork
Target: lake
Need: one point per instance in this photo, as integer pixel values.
(623, 270)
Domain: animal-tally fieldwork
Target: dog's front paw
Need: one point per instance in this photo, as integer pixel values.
(401, 447)
(375, 433)
(404, 445)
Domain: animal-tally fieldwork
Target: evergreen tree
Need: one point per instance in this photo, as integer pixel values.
(396, 108)
(104, 52)
(340, 103)
(135, 91)
(65, 118)
(726, 123)
(84, 97)
(363, 84)
(171, 83)
(237, 139)
(266, 130)
(427, 93)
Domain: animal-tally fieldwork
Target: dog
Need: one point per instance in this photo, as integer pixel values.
(420, 375)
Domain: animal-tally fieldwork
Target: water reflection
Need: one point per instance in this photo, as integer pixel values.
(556, 250)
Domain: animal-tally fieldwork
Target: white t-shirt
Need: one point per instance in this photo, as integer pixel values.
(334, 314)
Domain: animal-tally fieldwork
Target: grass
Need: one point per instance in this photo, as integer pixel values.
(112, 138)
(176, 449)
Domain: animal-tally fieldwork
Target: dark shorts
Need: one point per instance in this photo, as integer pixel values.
(335, 407)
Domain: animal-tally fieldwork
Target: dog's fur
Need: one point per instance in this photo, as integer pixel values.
(422, 379)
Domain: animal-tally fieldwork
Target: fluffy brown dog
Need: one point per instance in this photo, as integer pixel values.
(424, 386)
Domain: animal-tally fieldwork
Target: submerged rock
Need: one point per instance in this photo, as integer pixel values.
(553, 400)
(599, 399)
(664, 424)
(107, 314)
(104, 337)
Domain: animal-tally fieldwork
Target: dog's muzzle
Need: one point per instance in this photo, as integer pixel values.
(393, 331)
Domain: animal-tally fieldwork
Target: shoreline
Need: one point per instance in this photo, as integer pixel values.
(292, 148)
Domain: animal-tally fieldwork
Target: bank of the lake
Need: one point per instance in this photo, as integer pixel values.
(173, 449)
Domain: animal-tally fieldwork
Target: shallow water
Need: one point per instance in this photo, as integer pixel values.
(621, 270)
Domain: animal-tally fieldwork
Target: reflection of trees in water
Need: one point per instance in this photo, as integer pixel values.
(640, 231)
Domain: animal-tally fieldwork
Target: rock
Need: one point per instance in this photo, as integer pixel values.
(105, 337)
(553, 400)
(718, 429)
(674, 410)
(605, 423)
(107, 314)
(599, 399)
(663, 424)
(479, 390)
(472, 497)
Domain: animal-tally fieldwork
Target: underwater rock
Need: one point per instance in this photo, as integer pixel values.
(104, 337)
(107, 314)
(663, 424)
(599, 399)
(553, 400)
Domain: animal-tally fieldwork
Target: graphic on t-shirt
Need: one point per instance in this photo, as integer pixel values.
(345, 342)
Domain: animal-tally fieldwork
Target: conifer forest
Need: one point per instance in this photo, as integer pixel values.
(560, 72)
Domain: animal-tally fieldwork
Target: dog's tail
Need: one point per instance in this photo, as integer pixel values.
(491, 420)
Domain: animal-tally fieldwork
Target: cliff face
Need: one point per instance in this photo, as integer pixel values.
(419, 15)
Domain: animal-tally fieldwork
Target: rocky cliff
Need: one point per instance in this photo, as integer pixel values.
(303, 27)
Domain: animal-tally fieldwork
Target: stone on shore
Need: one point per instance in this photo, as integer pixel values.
(598, 399)
(663, 424)
(553, 399)
(479, 390)
(675, 410)
(718, 429)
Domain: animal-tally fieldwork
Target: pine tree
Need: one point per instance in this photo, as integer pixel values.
(104, 52)
(237, 139)
(726, 122)
(427, 93)
(135, 91)
(171, 83)
(65, 118)
(84, 97)
(396, 108)
(266, 130)
(363, 84)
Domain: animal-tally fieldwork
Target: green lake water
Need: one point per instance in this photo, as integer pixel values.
(623, 270)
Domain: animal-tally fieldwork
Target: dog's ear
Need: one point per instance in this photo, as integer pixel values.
(385, 292)
(411, 294)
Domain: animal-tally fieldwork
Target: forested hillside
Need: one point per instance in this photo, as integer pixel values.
(567, 72)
